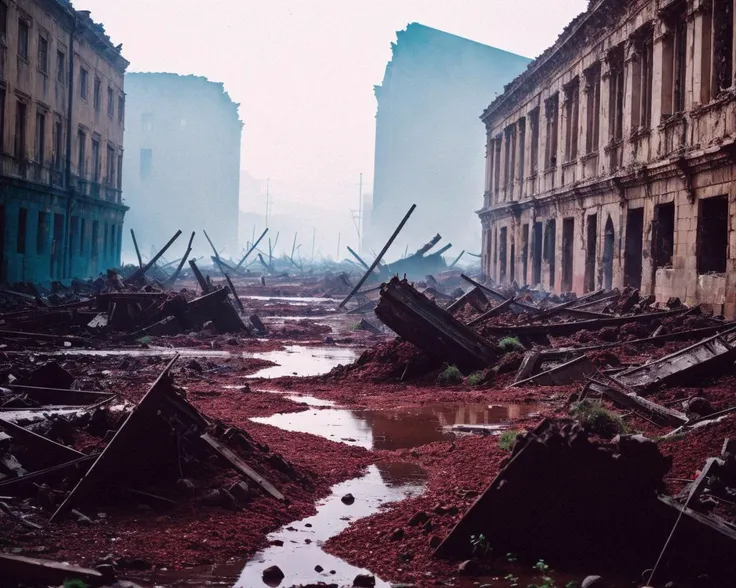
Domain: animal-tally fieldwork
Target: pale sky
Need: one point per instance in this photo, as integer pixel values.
(303, 71)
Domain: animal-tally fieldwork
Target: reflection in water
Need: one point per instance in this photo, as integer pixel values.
(304, 300)
(302, 540)
(397, 428)
(297, 360)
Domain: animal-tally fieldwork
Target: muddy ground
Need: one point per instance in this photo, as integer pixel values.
(351, 420)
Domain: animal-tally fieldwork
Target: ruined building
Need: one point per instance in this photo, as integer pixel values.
(62, 110)
(429, 145)
(182, 162)
(610, 161)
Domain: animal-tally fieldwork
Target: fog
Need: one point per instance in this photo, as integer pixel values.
(303, 74)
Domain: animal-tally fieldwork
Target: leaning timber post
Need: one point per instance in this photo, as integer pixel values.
(200, 278)
(380, 256)
(175, 275)
(217, 255)
(356, 256)
(234, 293)
(139, 273)
(137, 251)
(251, 249)
(454, 263)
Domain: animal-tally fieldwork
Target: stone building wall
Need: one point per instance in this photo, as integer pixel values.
(609, 162)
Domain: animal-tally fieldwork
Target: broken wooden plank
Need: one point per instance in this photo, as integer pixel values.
(491, 313)
(474, 297)
(32, 571)
(263, 234)
(234, 293)
(240, 466)
(43, 337)
(567, 373)
(59, 396)
(14, 485)
(658, 414)
(501, 297)
(41, 451)
(175, 275)
(528, 366)
(417, 319)
(379, 257)
(704, 357)
(568, 328)
(140, 272)
(137, 251)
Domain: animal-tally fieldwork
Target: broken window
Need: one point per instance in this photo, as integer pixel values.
(83, 82)
(110, 162)
(609, 241)
(722, 56)
(524, 252)
(60, 66)
(40, 136)
(82, 236)
(58, 143)
(121, 109)
(572, 104)
(81, 153)
(534, 151)
(510, 159)
(512, 261)
(42, 229)
(633, 248)
(22, 230)
(674, 60)
(522, 149)
(712, 245)
(502, 254)
(616, 94)
(537, 254)
(593, 107)
(95, 238)
(3, 21)
(95, 160)
(20, 131)
(550, 239)
(568, 235)
(552, 116)
(641, 104)
(97, 93)
(591, 245)
(663, 234)
(110, 102)
(146, 163)
(43, 54)
(497, 170)
(23, 28)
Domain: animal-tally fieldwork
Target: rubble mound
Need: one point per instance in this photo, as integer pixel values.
(387, 361)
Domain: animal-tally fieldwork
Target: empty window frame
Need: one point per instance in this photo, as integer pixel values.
(43, 54)
(83, 82)
(641, 105)
(712, 244)
(551, 112)
(19, 147)
(663, 234)
(593, 108)
(722, 47)
(534, 148)
(572, 108)
(616, 94)
(42, 232)
(22, 230)
(40, 136)
(23, 36)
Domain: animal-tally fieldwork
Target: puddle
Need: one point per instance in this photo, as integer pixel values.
(396, 428)
(302, 540)
(297, 360)
(308, 400)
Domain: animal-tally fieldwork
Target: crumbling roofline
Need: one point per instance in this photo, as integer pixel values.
(540, 62)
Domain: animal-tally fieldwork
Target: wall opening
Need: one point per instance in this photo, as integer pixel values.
(42, 229)
(568, 236)
(633, 247)
(56, 246)
(712, 245)
(522, 153)
(616, 96)
(552, 114)
(22, 230)
(663, 234)
(512, 262)
(534, 151)
(722, 77)
(524, 253)
(591, 244)
(609, 239)
(537, 254)
(593, 118)
(502, 254)
(572, 105)
(550, 238)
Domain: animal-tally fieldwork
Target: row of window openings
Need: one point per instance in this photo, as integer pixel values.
(79, 234)
(711, 246)
(40, 146)
(673, 99)
(43, 65)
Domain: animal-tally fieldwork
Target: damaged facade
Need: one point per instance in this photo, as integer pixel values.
(183, 142)
(428, 141)
(610, 161)
(62, 110)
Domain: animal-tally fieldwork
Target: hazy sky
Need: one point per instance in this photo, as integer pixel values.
(303, 71)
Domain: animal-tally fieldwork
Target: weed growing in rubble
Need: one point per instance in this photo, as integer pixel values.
(597, 420)
(476, 378)
(510, 344)
(480, 544)
(507, 439)
(75, 584)
(451, 375)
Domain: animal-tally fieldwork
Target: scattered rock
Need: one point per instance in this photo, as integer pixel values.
(272, 575)
(419, 518)
(700, 406)
(593, 582)
(364, 581)
(241, 492)
(434, 542)
(277, 543)
(348, 499)
(468, 568)
(397, 534)
(186, 485)
(195, 365)
(318, 569)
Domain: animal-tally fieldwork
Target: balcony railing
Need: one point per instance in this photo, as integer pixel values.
(39, 174)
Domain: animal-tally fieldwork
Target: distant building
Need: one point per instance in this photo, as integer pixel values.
(62, 110)
(429, 144)
(182, 162)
